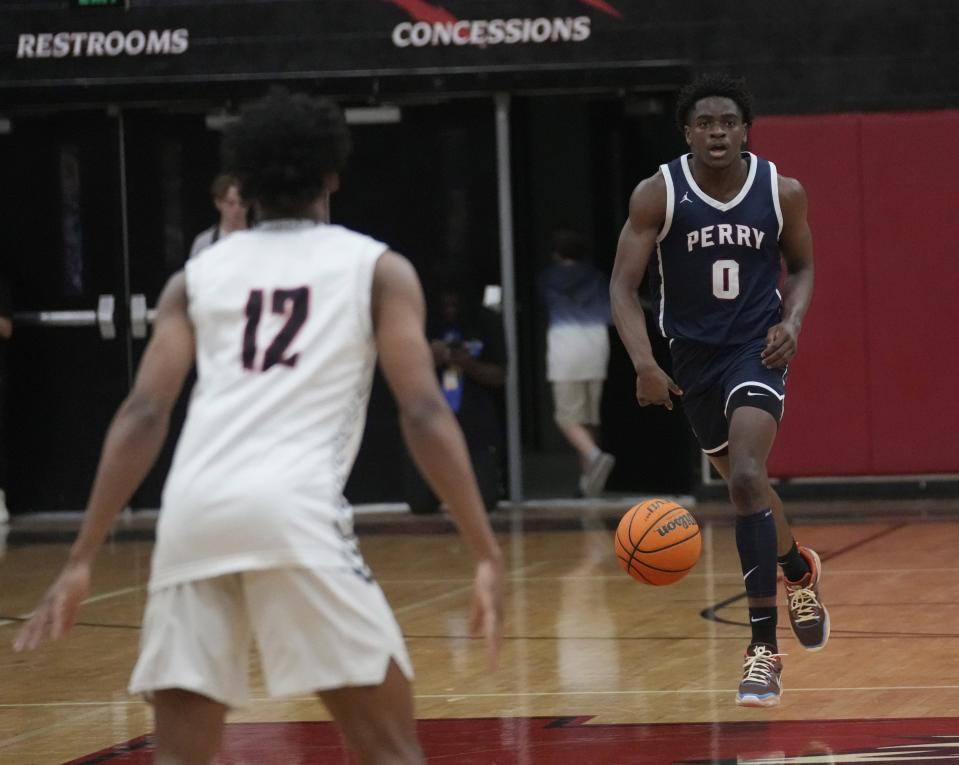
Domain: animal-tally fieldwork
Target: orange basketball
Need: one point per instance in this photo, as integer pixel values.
(657, 542)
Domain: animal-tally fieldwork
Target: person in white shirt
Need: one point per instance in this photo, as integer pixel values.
(255, 539)
(577, 352)
(233, 210)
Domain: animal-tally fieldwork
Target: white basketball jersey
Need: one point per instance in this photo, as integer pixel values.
(285, 357)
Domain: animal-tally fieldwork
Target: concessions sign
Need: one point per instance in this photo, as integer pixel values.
(863, 56)
(152, 41)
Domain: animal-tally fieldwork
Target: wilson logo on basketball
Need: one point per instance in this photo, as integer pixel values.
(653, 505)
(685, 521)
(661, 558)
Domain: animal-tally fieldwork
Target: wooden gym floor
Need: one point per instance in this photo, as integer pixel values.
(596, 668)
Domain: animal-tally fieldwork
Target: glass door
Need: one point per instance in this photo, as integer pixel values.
(171, 160)
(69, 362)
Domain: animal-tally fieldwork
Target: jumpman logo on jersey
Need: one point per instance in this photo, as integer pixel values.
(686, 198)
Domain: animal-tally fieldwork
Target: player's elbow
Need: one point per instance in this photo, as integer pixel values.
(617, 288)
(144, 413)
(801, 267)
(421, 412)
(619, 296)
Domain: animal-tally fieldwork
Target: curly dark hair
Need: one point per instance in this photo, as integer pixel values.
(282, 148)
(708, 85)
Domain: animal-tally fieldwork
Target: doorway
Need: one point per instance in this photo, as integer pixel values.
(104, 204)
(100, 204)
(576, 160)
(425, 184)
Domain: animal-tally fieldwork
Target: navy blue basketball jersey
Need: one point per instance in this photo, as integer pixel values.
(718, 263)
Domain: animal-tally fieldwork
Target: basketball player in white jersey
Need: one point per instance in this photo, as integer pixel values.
(255, 539)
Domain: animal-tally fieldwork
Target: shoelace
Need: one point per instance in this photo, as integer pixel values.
(758, 667)
(804, 605)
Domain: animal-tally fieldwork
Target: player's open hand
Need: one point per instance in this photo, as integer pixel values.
(57, 611)
(487, 618)
(653, 386)
(782, 341)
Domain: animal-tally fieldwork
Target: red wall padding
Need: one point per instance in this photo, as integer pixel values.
(911, 186)
(872, 389)
(825, 430)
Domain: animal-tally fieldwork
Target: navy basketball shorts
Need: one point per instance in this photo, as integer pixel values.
(718, 380)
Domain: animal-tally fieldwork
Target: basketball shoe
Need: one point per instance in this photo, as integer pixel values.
(761, 685)
(807, 615)
(593, 481)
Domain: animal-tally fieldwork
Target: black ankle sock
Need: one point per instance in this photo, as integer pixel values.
(763, 624)
(793, 564)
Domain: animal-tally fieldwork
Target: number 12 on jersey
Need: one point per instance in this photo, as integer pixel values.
(292, 303)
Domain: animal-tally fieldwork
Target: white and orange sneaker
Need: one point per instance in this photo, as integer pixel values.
(761, 685)
(807, 615)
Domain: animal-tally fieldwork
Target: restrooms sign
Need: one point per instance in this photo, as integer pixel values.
(134, 42)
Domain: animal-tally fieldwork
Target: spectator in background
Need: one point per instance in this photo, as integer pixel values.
(233, 213)
(469, 351)
(577, 352)
(6, 330)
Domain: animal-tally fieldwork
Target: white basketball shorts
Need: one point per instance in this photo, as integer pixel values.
(315, 630)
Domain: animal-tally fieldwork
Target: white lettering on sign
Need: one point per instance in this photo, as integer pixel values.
(136, 42)
(483, 32)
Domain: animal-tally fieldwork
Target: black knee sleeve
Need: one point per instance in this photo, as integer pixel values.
(756, 542)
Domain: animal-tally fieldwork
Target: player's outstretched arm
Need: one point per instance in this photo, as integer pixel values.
(647, 212)
(795, 243)
(132, 444)
(431, 432)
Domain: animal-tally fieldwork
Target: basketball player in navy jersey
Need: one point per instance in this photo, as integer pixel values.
(720, 221)
(285, 322)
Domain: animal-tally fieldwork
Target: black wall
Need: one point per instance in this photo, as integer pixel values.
(576, 159)
(812, 56)
(427, 187)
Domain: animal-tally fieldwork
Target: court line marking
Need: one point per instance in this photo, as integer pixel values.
(457, 591)
(711, 613)
(93, 599)
(508, 694)
(518, 576)
(7, 742)
(674, 692)
(401, 610)
(114, 594)
(732, 576)
(436, 598)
